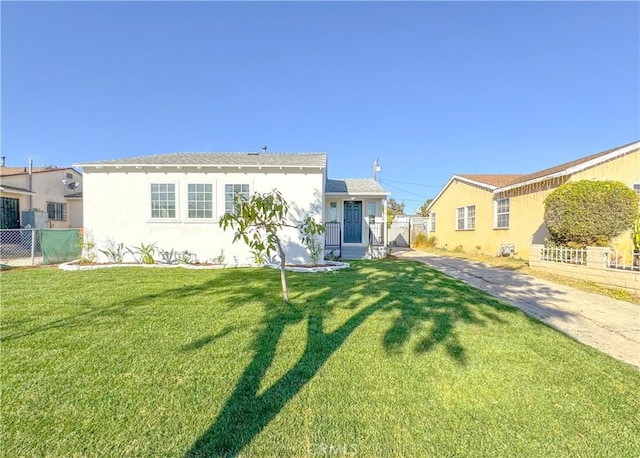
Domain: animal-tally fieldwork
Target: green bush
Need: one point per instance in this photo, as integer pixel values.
(421, 240)
(589, 213)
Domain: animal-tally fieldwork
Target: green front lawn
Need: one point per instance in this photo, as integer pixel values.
(388, 358)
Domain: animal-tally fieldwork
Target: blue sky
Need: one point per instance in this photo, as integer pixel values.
(431, 89)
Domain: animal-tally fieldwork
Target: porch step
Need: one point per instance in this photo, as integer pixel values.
(355, 253)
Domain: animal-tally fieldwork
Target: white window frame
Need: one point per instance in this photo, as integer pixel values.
(498, 214)
(467, 217)
(176, 201)
(59, 211)
(375, 209)
(188, 201)
(330, 219)
(432, 222)
(224, 192)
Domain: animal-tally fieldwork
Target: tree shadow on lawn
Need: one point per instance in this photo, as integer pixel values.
(419, 298)
(120, 309)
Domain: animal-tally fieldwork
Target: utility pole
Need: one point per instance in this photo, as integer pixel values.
(376, 169)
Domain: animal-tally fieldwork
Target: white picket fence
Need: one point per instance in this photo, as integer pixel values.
(564, 254)
(623, 260)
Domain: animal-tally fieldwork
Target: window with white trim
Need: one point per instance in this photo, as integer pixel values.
(432, 220)
(466, 218)
(371, 209)
(200, 200)
(231, 191)
(57, 211)
(163, 200)
(333, 211)
(502, 213)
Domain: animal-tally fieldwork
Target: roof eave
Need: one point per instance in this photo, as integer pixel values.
(200, 166)
(487, 186)
(459, 178)
(572, 170)
(12, 190)
(356, 193)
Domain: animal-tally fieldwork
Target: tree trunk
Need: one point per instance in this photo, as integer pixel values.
(283, 275)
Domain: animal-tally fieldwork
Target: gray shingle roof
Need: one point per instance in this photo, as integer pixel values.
(584, 161)
(222, 159)
(354, 186)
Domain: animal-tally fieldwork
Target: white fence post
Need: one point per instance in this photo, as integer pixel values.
(33, 247)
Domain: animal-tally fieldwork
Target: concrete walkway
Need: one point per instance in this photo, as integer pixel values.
(609, 325)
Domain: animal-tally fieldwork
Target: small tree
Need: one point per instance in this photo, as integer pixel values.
(394, 208)
(587, 212)
(257, 221)
(422, 211)
(310, 233)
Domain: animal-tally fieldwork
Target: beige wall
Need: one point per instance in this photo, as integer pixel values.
(526, 210)
(48, 187)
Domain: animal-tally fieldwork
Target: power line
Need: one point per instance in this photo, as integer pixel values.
(412, 184)
(404, 190)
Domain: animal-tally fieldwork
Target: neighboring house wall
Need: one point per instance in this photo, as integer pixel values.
(527, 203)
(48, 188)
(75, 212)
(12, 197)
(118, 208)
(460, 194)
(526, 209)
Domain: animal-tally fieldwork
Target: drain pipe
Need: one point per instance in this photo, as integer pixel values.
(30, 184)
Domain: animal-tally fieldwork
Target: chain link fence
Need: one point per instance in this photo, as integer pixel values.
(30, 247)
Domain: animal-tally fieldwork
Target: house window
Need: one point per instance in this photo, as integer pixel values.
(636, 188)
(163, 200)
(231, 191)
(57, 211)
(502, 213)
(466, 218)
(333, 211)
(69, 175)
(372, 210)
(460, 218)
(200, 200)
(432, 221)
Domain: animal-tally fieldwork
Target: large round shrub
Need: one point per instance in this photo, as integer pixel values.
(589, 213)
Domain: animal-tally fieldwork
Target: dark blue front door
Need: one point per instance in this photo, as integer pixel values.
(353, 222)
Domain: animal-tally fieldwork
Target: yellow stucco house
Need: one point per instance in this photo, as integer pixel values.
(498, 214)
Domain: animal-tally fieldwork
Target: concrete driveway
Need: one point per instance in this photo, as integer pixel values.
(609, 325)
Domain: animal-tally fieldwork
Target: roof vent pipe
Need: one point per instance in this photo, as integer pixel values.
(31, 184)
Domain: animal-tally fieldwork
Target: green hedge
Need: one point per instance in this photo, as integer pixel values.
(589, 213)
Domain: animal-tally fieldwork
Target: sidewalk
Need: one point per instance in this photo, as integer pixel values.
(609, 325)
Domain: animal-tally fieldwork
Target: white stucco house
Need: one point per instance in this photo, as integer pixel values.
(176, 201)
